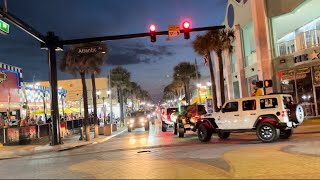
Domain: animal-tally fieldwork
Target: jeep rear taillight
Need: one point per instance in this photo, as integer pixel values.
(284, 114)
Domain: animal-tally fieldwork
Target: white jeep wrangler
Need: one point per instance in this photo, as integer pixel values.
(271, 116)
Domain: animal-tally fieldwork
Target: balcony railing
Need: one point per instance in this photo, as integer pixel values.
(302, 41)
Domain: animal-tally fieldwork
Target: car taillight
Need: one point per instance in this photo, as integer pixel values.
(284, 114)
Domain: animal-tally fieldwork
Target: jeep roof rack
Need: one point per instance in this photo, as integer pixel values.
(275, 93)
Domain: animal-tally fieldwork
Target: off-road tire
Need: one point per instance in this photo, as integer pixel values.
(204, 133)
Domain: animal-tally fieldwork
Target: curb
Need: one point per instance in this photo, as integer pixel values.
(19, 154)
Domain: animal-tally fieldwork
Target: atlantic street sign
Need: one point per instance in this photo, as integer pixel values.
(90, 50)
(4, 27)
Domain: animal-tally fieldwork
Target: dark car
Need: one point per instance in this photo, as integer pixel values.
(138, 120)
(187, 119)
(151, 115)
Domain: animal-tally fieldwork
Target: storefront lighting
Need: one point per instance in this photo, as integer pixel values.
(209, 83)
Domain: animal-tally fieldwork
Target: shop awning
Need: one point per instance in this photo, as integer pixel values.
(203, 99)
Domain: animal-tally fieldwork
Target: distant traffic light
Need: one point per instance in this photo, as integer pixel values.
(186, 29)
(153, 33)
(267, 83)
(259, 84)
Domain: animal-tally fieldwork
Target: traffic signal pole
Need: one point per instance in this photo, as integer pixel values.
(52, 43)
(130, 36)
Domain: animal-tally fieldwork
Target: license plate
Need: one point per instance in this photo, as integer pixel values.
(187, 126)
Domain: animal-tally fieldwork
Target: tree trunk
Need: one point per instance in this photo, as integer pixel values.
(121, 105)
(213, 84)
(85, 106)
(94, 98)
(223, 97)
(186, 93)
(188, 90)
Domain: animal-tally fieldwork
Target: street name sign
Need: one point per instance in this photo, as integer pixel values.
(90, 50)
(174, 30)
(4, 27)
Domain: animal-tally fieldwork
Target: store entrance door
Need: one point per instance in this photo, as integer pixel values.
(317, 94)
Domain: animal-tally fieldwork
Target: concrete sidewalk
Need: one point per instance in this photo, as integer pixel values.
(70, 142)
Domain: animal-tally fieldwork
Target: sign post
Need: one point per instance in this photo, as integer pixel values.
(4, 27)
(173, 30)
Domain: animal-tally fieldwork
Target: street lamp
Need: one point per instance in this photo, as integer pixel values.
(209, 84)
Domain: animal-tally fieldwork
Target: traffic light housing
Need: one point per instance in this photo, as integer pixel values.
(186, 29)
(267, 83)
(259, 84)
(152, 29)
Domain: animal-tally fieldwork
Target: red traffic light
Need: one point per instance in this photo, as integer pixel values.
(186, 24)
(152, 28)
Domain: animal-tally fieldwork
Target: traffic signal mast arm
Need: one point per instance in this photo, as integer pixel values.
(130, 36)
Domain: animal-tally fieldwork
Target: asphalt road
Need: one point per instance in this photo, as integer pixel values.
(156, 154)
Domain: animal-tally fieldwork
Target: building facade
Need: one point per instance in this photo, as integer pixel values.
(277, 40)
(10, 83)
(74, 100)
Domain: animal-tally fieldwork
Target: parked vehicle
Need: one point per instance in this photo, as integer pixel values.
(270, 116)
(168, 117)
(188, 118)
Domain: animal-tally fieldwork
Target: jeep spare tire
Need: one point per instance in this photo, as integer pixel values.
(174, 117)
(296, 113)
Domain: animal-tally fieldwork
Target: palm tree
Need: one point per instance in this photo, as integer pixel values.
(176, 86)
(120, 80)
(201, 46)
(82, 64)
(184, 72)
(134, 91)
(220, 40)
(96, 61)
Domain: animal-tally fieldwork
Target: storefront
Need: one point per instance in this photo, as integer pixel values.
(300, 76)
(10, 78)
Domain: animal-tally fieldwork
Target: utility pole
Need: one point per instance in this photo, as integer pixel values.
(198, 81)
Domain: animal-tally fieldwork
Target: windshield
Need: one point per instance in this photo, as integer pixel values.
(135, 114)
(171, 110)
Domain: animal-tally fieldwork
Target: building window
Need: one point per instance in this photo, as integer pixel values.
(288, 82)
(230, 15)
(305, 90)
(236, 91)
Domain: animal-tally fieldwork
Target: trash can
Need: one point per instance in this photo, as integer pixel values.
(114, 127)
(107, 130)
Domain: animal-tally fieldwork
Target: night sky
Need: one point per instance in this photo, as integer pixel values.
(151, 64)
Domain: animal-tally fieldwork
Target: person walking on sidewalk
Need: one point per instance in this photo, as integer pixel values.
(24, 122)
(62, 127)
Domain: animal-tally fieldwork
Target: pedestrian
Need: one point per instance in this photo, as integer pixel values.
(62, 128)
(2, 123)
(24, 122)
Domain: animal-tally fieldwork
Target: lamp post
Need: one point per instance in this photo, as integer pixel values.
(198, 89)
(209, 84)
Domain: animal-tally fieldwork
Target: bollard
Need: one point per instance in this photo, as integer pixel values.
(81, 134)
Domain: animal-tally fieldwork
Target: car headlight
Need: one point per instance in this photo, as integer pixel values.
(131, 120)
